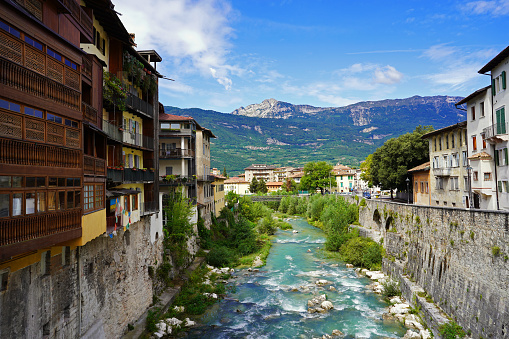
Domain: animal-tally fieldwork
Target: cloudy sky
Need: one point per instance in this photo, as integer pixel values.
(224, 54)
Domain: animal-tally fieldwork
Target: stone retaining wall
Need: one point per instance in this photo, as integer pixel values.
(459, 257)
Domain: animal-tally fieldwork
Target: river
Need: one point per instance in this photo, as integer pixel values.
(268, 308)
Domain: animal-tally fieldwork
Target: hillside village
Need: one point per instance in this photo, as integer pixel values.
(90, 160)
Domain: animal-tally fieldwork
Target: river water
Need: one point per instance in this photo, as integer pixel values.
(268, 308)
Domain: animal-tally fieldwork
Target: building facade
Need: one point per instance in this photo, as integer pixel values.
(237, 185)
(420, 182)
(449, 183)
(260, 171)
(480, 150)
(219, 197)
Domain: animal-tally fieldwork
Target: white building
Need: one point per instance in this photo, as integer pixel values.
(238, 185)
(497, 133)
(480, 151)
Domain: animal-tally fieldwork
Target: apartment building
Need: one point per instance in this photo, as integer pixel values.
(496, 130)
(237, 185)
(420, 180)
(260, 171)
(449, 184)
(219, 193)
(480, 150)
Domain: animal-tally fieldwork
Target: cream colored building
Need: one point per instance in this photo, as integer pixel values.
(219, 193)
(260, 171)
(238, 185)
(420, 182)
(449, 159)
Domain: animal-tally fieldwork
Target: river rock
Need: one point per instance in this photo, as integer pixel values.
(337, 333)
(179, 309)
(309, 251)
(425, 334)
(399, 309)
(412, 335)
(322, 282)
(311, 310)
(334, 265)
(161, 326)
(189, 323)
(387, 317)
(396, 300)
(332, 288)
(174, 322)
(327, 305)
(411, 321)
(159, 334)
(295, 231)
(257, 262)
(349, 266)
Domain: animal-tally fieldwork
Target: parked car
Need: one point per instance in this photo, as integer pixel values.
(366, 195)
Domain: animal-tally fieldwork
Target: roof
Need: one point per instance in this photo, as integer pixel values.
(236, 180)
(260, 166)
(297, 175)
(345, 172)
(220, 177)
(274, 183)
(341, 167)
(206, 131)
(471, 96)
(422, 167)
(480, 156)
(171, 117)
(151, 55)
(495, 61)
(459, 125)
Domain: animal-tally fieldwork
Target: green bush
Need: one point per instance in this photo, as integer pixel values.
(362, 252)
(267, 226)
(220, 256)
(335, 240)
(391, 289)
(451, 330)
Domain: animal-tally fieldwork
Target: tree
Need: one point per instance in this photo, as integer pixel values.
(317, 175)
(262, 187)
(396, 156)
(224, 173)
(366, 170)
(253, 187)
(290, 185)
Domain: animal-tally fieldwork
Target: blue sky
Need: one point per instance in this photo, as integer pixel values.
(226, 54)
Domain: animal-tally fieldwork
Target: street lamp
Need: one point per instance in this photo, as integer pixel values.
(407, 190)
(469, 172)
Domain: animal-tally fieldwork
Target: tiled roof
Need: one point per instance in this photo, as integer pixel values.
(462, 124)
(235, 180)
(495, 61)
(473, 95)
(171, 117)
(480, 156)
(274, 183)
(422, 167)
(297, 175)
(220, 177)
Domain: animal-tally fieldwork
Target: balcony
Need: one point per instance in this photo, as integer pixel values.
(94, 166)
(171, 133)
(115, 175)
(149, 207)
(177, 180)
(442, 172)
(16, 152)
(86, 67)
(35, 84)
(497, 132)
(137, 139)
(206, 178)
(139, 105)
(76, 11)
(176, 153)
(112, 131)
(23, 234)
(89, 113)
(137, 175)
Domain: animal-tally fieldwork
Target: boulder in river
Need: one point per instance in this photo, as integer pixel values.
(327, 305)
(349, 266)
(337, 333)
(323, 282)
(412, 335)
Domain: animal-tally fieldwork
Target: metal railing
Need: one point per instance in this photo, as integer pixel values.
(137, 175)
(176, 153)
(496, 129)
(137, 139)
(206, 177)
(115, 175)
(140, 105)
(112, 130)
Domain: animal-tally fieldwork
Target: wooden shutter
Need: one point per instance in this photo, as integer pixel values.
(503, 79)
(493, 88)
(496, 158)
(506, 157)
(502, 120)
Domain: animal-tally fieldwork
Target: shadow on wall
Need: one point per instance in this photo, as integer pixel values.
(377, 218)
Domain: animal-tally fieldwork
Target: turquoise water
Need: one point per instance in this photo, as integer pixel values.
(263, 305)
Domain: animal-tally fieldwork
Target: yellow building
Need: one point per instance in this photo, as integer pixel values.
(219, 196)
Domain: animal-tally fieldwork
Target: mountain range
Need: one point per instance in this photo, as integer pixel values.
(280, 133)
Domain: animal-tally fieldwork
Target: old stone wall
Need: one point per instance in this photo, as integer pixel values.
(459, 257)
(104, 286)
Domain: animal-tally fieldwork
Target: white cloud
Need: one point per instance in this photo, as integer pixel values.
(368, 76)
(192, 35)
(387, 75)
(457, 67)
(495, 8)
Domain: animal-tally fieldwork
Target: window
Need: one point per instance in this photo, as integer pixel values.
(472, 112)
(475, 175)
(71, 123)
(33, 43)
(474, 143)
(446, 161)
(10, 30)
(5, 200)
(500, 186)
(454, 184)
(439, 183)
(416, 189)
(71, 64)
(33, 112)
(487, 176)
(88, 202)
(165, 125)
(466, 183)
(127, 206)
(54, 118)
(435, 142)
(506, 186)
(17, 204)
(99, 193)
(10, 106)
(483, 136)
(452, 140)
(169, 170)
(422, 186)
(54, 54)
(446, 141)
(29, 203)
(501, 157)
(455, 160)
(440, 143)
(426, 187)
(134, 200)
(501, 127)
(481, 108)
(435, 163)
(465, 158)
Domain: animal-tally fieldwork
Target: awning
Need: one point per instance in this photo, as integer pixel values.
(120, 192)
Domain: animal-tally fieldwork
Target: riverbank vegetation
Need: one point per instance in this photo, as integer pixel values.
(241, 233)
(334, 215)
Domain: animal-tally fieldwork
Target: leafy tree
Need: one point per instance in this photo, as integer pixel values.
(290, 185)
(224, 173)
(391, 162)
(262, 187)
(253, 187)
(366, 170)
(317, 175)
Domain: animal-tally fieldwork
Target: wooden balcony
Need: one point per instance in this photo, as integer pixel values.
(89, 113)
(38, 85)
(23, 234)
(30, 154)
(94, 166)
(86, 67)
(76, 11)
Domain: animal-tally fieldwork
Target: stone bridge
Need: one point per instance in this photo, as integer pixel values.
(459, 256)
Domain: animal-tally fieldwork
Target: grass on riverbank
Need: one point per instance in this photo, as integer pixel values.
(266, 243)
